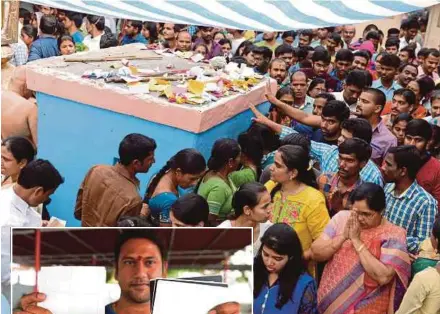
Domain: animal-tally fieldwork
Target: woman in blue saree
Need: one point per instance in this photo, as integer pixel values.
(175, 179)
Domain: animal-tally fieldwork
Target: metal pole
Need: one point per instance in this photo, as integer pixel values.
(37, 256)
(226, 269)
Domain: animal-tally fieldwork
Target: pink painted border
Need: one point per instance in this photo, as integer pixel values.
(236, 105)
(195, 120)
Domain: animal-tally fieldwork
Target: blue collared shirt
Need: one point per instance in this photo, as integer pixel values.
(131, 40)
(388, 92)
(308, 104)
(294, 68)
(414, 210)
(45, 46)
(328, 158)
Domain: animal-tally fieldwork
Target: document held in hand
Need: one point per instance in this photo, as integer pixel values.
(171, 296)
(75, 289)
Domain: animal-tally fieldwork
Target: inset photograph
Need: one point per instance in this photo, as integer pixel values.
(113, 270)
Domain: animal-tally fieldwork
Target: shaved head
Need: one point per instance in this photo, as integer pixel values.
(299, 75)
(183, 41)
(299, 85)
(184, 34)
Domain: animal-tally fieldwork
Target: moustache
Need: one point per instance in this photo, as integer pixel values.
(139, 282)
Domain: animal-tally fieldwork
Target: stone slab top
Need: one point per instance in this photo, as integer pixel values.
(56, 77)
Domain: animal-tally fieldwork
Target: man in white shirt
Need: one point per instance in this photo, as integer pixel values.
(435, 107)
(429, 65)
(348, 33)
(37, 181)
(238, 38)
(355, 82)
(98, 37)
(410, 29)
(110, 22)
(95, 30)
(140, 257)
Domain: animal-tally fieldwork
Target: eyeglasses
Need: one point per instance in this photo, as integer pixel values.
(364, 214)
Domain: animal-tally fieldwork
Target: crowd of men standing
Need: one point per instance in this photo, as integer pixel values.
(343, 172)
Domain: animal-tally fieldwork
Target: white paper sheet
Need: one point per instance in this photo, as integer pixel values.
(56, 222)
(131, 78)
(188, 297)
(139, 88)
(74, 289)
(197, 57)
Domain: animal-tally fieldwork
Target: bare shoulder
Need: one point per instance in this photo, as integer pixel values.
(12, 99)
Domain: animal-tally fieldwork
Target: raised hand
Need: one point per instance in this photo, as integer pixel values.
(355, 229)
(259, 117)
(268, 93)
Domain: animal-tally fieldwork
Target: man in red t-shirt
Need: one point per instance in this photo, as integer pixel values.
(419, 133)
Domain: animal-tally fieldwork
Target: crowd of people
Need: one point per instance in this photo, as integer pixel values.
(340, 181)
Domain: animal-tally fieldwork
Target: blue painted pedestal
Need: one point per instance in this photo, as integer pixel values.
(74, 137)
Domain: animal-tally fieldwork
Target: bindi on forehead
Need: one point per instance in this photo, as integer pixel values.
(139, 247)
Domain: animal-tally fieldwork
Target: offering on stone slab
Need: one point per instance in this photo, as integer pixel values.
(196, 87)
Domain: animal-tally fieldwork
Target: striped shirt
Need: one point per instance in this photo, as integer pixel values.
(20, 56)
(414, 210)
(328, 158)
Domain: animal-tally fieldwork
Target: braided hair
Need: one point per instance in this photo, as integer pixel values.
(223, 150)
(252, 148)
